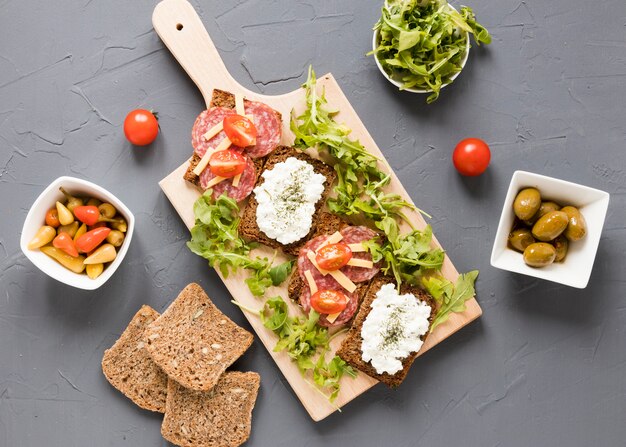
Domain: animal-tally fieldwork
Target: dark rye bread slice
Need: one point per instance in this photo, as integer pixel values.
(248, 227)
(327, 223)
(193, 342)
(350, 349)
(128, 367)
(220, 98)
(221, 417)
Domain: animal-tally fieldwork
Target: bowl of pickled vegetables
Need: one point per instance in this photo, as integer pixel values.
(77, 233)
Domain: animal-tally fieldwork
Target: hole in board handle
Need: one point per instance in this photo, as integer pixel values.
(179, 26)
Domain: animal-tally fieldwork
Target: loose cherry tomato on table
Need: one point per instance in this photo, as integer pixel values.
(333, 256)
(240, 130)
(227, 163)
(141, 127)
(52, 218)
(65, 242)
(91, 239)
(328, 301)
(87, 214)
(471, 156)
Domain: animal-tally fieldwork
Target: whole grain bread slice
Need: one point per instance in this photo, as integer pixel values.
(193, 342)
(327, 223)
(221, 417)
(350, 349)
(128, 367)
(248, 227)
(220, 98)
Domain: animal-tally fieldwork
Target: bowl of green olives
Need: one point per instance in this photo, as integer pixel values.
(550, 229)
(63, 233)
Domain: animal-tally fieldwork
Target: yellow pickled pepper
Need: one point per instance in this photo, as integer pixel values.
(65, 216)
(43, 236)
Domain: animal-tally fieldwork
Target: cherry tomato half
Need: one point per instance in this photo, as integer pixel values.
(52, 218)
(328, 301)
(240, 130)
(471, 156)
(227, 163)
(141, 127)
(333, 256)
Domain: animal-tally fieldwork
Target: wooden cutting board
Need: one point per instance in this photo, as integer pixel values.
(182, 31)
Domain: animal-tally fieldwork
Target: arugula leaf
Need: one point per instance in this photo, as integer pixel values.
(215, 238)
(422, 44)
(360, 182)
(451, 299)
(327, 375)
(274, 314)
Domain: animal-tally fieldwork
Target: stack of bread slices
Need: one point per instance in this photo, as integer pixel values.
(175, 363)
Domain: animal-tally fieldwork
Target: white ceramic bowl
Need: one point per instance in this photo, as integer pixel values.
(575, 270)
(398, 83)
(36, 218)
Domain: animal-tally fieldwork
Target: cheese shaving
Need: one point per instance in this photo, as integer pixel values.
(356, 248)
(311, 256)
(213, 131)
(214, 181)
(236, 180)
(309, 278)
(361, 263)
(239, 108)
(332, 239)
(202, 164)
(343, 280)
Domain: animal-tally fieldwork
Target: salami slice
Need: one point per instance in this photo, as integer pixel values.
(268, 128)
(205, 122)
(240, 192)
(356, 235)
(342, 318)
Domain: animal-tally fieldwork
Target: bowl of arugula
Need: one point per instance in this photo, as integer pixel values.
(422, 46)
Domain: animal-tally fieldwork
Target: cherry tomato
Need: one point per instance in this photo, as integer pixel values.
(65, 242)
(333, 256)
(91, 239)
(227, 163)
(328, 301)
(87, 214)
(471, 156)
(141, 127)
(240, 130)
(52, 218)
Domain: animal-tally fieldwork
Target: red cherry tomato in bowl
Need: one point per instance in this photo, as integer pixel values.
(227, 163)
(141, 127)
(328, 301)
(471, 156)
(333, 256)
(240, 130)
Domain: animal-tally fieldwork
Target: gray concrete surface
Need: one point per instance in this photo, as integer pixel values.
(546, 364)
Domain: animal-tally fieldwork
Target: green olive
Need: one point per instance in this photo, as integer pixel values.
(577, 226)
(545, 208)
(520, 239)
(539, 254)
(561, 245)
(551, 225)
(93, 202)
(115, 238)
(527, 203)
(107, 210)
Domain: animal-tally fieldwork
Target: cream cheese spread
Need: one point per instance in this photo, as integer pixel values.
(393, 329)
(287, 199)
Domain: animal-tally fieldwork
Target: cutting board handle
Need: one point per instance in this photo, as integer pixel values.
(181, 30)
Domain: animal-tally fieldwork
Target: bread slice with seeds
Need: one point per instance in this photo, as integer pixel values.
(128, 367)
(350, 349)
(248, 227)
(193, 341)
(221, 417)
